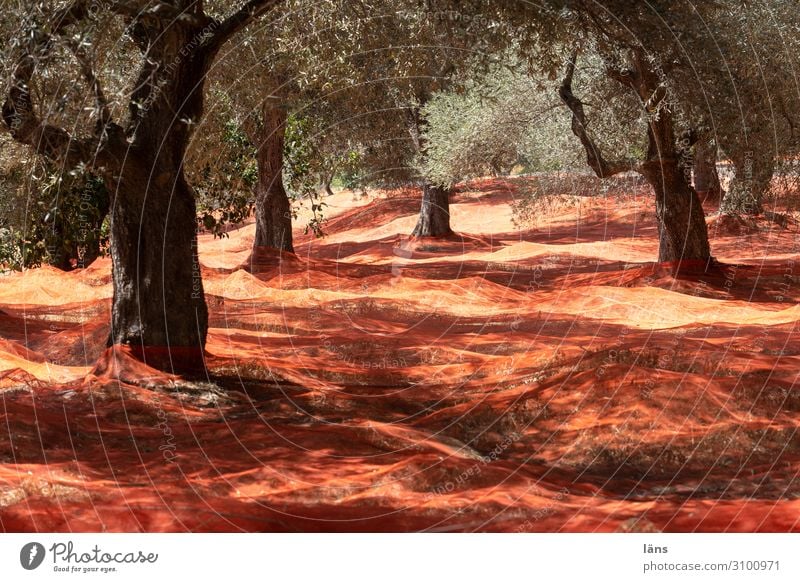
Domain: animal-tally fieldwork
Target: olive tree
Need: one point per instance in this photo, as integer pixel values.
(135, 136)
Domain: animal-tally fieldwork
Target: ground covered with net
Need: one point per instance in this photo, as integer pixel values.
(543, 377)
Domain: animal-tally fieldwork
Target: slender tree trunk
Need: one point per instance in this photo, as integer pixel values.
(91, 249)
(434, 214)
(327, 180)
(706, 178)
(59, 255)
(273, 209)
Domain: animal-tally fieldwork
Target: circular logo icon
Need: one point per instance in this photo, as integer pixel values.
(31, 555)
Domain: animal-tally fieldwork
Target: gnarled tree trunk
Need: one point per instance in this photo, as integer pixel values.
(327, 180)
(273, 209)
(683, 235)
(159, 307)
(434, 214)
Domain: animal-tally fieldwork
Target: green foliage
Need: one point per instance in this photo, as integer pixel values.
(512, 119)
(226, 178)
(302, 165)
(61, 221)
(300, 158)
(351, 171)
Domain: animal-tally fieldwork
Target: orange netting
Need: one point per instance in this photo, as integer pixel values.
(544, 379)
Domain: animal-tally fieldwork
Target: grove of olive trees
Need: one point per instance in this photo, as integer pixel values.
(419, 265)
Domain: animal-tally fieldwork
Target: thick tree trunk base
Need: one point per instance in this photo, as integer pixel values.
(159, 309)
(690, 266)
(273, 232)
(683, 234)
(274, 222)
(146, 365)
(434, 214)
(267, 259)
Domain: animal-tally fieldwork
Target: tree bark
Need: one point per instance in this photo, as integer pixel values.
(273, 210)
(434, 214)
(159, 304)
(683, 235)
(159, 307)
(327, 180)
(706, 177)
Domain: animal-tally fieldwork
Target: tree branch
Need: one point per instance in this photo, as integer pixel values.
(237, 21)
(594, 157)
(101, 103)
(50, 141)
(18, 111)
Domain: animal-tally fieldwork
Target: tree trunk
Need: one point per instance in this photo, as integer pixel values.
(159, 307)
(327, 184)
(434, 214)
(273, 209)
(750, 183)
(706, 177)
(91, 246)
(683, 235)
